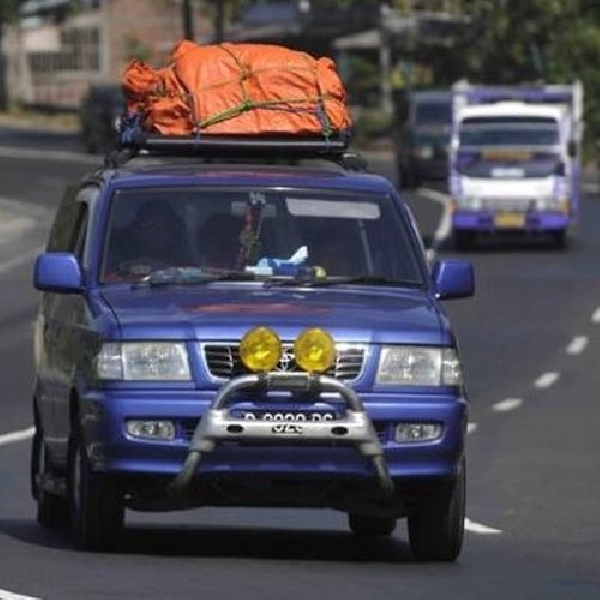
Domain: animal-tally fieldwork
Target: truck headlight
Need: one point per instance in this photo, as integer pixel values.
(424, 152)
(143, 361)
(418, 365)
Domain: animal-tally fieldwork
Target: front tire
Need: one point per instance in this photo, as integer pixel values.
(96, 505)
(436, 527)
(52, 511)
(364, 526)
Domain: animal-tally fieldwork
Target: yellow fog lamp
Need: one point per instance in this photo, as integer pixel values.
(314, 350)
(260, 349)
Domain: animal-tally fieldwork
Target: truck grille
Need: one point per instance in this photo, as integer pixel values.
(223, 361)
(508, 204)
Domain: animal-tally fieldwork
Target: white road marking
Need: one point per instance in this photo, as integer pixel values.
(546, 380)
(507, 405)
(480, 528)
(471, 427)
(16, 261)
(53, 155)
(577, 345)
(16, 436)
(6, 595)
(590, 188)
(443, 230)
(596, 316)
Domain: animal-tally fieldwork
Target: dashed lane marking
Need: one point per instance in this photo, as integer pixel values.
(596, 316)
(6, 595)
(507, 405)
(546, 380)
(16, 436)
(471, 427)
(480, 528)
(577, 345)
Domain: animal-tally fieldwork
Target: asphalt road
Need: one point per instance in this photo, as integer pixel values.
(530, 342)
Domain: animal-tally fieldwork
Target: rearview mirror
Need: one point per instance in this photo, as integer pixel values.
(57, 272)
(453, 278)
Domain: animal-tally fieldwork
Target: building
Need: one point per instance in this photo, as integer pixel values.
(54, 51)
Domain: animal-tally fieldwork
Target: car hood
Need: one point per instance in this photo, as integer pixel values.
(227, 312)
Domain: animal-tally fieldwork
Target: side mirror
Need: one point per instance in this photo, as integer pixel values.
(57, 272)
(571, 149)
(453, 278)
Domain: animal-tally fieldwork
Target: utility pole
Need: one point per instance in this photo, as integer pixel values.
(219, 21)
(188, 19)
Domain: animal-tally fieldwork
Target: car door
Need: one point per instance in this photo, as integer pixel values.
(60, 314)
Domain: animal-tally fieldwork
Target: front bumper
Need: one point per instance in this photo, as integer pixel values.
(487, 221)
(210, 444)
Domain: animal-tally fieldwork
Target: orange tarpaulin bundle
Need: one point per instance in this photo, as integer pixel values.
(236, 89)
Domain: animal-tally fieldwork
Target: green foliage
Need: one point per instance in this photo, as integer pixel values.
(135, 49)
(516, 41)
(371, 123)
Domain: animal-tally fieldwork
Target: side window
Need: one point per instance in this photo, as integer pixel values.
(69, 231)
(64, 223)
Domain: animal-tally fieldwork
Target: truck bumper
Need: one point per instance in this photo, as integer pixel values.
(490, 222)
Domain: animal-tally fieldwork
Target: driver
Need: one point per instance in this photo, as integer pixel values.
(155, 238)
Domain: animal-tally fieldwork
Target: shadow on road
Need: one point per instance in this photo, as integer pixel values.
(233, 542)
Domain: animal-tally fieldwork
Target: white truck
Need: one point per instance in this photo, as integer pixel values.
(515, 160)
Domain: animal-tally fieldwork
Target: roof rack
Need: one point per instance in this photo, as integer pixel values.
(216, 147)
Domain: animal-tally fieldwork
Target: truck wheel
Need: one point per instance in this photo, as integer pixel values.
(436, 528)
(371, 526)
(52, 511)
(97, 507)
(560, 239)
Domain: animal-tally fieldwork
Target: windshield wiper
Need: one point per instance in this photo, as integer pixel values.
(190, 276)
(331, 281)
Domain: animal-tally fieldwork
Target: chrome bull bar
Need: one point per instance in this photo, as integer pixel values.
(356, 428)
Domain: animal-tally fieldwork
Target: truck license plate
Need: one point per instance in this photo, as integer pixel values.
(509, 219)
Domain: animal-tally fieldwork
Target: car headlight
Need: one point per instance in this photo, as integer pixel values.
(418, 365)
(143, 361)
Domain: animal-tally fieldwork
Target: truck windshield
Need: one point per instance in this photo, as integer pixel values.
(433, 112)
(507, 164)
(229, 230)
(508, 131)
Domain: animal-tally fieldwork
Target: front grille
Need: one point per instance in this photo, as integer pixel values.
(507, 204)
(223, 361)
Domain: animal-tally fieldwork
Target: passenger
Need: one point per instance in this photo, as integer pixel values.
(220, 241)
(155, 238)
(335, 252)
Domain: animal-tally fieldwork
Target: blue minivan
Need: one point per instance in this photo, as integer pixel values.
(234, 322)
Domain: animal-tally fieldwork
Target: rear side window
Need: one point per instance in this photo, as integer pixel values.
(69, 229)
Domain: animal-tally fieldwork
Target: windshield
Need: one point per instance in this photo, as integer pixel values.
(433, 112)
(508, 131)
(224, 231)
(507, 164)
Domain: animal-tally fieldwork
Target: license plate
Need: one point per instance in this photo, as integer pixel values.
(285, 416)
(509, 219)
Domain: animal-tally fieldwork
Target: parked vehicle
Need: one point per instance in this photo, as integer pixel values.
(99, 115)
(237, 322)
(515, 160)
